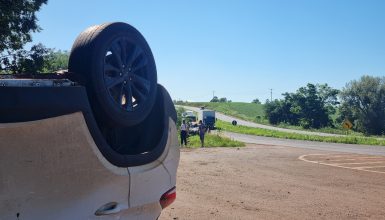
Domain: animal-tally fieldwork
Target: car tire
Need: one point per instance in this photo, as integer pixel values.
(115, 64)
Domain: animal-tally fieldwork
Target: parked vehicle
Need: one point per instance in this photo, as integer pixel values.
(96, 142)
(193, 129)
(189, 116)
(208, 118)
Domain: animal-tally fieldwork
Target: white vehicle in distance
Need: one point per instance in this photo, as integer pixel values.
(96, 142)
(189, 116)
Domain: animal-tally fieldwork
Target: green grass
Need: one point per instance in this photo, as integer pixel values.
(348, 139)
(329, 130)
(247, 111)
(213, 140)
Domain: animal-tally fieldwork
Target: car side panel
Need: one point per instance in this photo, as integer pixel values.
(171, 162)
(52, 169)
(149, 182)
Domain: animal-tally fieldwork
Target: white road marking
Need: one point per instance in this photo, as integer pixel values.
(341, 160)
(338, 165)
(358, 158)
(371, 167)
(358, 163)
(327, 156)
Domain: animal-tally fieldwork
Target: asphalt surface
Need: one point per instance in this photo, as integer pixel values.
(347, 148)
(227, 118)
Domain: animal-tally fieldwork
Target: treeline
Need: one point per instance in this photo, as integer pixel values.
(216, 99)
(39, 59)
(362, 102)
(18, 21)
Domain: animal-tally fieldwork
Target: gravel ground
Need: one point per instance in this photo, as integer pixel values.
(270, 182)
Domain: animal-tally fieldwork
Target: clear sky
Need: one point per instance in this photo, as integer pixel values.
(239, 49)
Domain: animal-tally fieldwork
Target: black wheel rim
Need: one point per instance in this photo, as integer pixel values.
(126, 75)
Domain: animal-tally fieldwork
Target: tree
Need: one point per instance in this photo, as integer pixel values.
(223, 99)
(363, 102)
(17, 21)
(27, 61)
(38, 60)
(56, 60)
(314, 104)
(281, 111)
(310, 107)
(256, 101)
(214, 99)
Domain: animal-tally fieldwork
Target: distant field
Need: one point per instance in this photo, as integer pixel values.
(247, 111)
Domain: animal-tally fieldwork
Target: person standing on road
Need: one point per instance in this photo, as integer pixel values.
(183, 133)
(201, 131)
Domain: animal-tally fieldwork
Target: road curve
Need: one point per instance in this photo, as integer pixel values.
(347, 148)
(227, 118)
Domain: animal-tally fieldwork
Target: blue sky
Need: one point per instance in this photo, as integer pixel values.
(239, 49)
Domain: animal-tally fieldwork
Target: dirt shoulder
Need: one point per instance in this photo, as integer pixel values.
(270, 182)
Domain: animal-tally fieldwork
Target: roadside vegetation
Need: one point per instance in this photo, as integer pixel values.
(317, 107)
(213, 140)
(337, 129)
(18, 22)
(247, 111)
(256, 113)
(309, 107)
(361, 103)
(348, 139)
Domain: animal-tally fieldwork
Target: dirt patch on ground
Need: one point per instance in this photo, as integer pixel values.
(270, 182)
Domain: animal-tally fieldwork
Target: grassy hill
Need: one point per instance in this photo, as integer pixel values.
(255, 112)
(247, 111)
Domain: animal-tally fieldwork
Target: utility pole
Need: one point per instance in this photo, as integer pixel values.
(271, 95)
(213, 93)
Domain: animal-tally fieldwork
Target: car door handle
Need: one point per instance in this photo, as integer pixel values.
(108, 209)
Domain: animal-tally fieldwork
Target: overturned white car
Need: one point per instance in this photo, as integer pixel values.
(96, 142)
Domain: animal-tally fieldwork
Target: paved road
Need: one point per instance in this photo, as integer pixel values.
(347, 148)
(227, 118)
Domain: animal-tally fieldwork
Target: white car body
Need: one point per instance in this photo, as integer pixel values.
(53, 169)
(98, 141)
